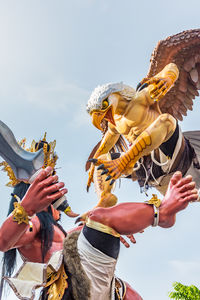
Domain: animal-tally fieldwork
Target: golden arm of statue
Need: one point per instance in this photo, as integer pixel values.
(107, 143)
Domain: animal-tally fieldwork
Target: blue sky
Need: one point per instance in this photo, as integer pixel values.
(52, 55)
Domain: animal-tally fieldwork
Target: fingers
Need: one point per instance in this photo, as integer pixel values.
(184, 181)
(93, 160)
(140, 84)
(53, 188)
(175, 178)
(123, 241)
(104, 172)
(56, 195)
(113, 168)
(187, 187)
(43, 174)
(108, 178)
(190, 195)
(100, 167)
(131, 238)
(49, 180)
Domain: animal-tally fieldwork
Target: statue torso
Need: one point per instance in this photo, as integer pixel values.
(135, 120)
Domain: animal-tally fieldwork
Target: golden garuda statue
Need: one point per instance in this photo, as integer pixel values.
(148, 118)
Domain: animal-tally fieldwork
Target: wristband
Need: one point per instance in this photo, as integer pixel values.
(19, 214)
(156, 216)
(156, 204)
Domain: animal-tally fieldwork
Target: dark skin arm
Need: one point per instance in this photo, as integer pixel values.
(131, 294)
(41, 191)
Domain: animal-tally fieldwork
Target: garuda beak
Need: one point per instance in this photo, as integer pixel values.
(98, 116)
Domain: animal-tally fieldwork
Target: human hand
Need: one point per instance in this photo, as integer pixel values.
(181, 191)
(130, 237)
(125, 243)
(42, 192)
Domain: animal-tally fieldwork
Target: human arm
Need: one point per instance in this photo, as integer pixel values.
(29, 235)
(37, 198)
(131, 294)
(130, 218)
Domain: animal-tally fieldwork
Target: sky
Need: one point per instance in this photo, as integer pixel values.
(52, 55)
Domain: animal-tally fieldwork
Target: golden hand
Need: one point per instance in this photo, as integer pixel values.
(160, 85)
(113, 168)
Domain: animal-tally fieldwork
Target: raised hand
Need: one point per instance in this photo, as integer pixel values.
(161, 83)
(160, 86)
(113, 168)
(180, 193)
(43, 191)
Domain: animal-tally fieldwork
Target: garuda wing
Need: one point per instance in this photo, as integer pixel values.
(183, 49)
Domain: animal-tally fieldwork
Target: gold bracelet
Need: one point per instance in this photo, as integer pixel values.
(19, 214)
(67, 209)
(154, 200)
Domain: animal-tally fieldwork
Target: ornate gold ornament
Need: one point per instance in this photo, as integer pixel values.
(19, 214)
(154, 201)
(57, 283)
(156, 204)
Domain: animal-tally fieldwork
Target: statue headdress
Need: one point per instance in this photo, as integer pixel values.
(50, 157)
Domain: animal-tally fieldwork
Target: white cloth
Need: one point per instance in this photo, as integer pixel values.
(33, 275)
(162, 182)
(99, 268)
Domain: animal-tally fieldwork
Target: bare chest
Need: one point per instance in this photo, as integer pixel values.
(32, 251)
(133, 125)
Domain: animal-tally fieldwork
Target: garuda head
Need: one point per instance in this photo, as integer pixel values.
(105, 100)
